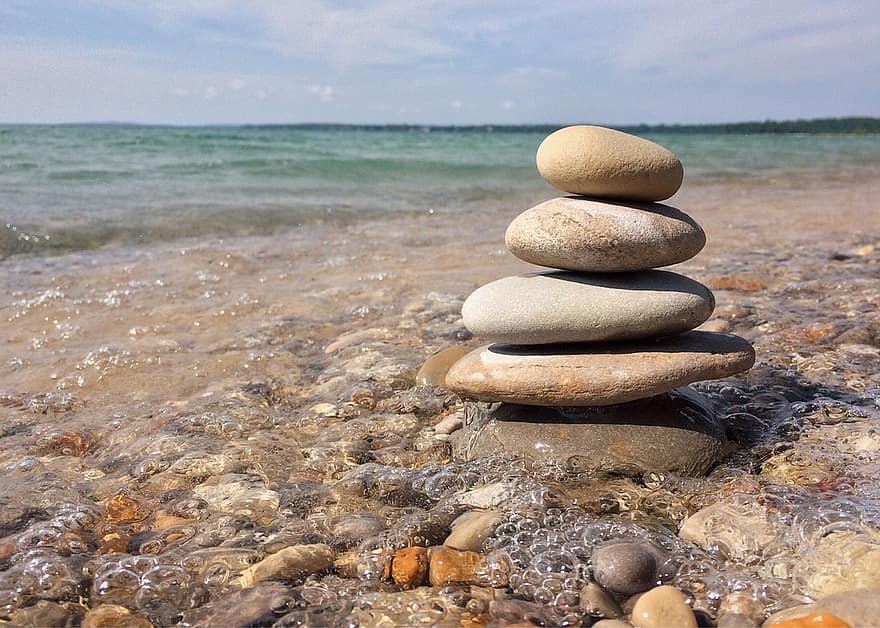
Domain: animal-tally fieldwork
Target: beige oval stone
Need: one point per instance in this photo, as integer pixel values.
(598, 236)
(663, 607)
(597, 375)
(472, 528)
(604, 163)
(565, 306)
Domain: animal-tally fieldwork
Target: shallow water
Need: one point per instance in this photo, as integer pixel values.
(172, 413)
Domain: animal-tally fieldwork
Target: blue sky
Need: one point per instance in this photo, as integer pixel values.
(437, 62)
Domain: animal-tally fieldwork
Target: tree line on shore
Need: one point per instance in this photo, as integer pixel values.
(815, 126)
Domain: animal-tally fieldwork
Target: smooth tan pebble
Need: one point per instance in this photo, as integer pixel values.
(662, 607)
(604, 163)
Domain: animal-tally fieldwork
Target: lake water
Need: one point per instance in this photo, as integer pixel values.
(72, 187)
(210, 338)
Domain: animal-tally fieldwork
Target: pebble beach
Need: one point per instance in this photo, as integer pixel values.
(230, 426)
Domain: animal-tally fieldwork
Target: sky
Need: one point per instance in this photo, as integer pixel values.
(437, 61)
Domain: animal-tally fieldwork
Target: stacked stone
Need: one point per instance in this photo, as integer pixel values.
(586, 358)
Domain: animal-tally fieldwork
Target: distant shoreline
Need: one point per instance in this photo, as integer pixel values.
(816, 126)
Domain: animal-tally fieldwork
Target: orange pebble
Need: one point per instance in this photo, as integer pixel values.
(814, 620)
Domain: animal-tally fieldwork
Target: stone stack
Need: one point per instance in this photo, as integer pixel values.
(586, 358)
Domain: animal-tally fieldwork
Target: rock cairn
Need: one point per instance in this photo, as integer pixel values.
(587, 358)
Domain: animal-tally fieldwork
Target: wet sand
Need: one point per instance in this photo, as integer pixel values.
(278, 373)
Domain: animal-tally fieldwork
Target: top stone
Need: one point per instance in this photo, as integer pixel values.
(604, 163)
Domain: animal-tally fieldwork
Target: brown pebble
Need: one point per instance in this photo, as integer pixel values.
(44, 614)
(597, 602)
(715, 324)
(124, 509)
(7, 548)
(449, 566)
(114, 616)
(737, 284)
(113, 541)
(346, 564)
(409, 567)
(162, 520)
(433, 371)
(662, 607)
(68, 444)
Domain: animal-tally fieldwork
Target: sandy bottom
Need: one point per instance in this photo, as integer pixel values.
(257, 393)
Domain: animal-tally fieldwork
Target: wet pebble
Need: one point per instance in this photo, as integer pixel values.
(433, 371)
(612, 623)
(355, 527)
(472, 528)
(814, 620)
(43, 613)
(122, 509)
(240, 494)
(257, 606)
(624, 568)
(487, 496)
(597, 603)
(859, 607)
(511, 611)
(662, 607)
(114, 616)
(450, 566)
(409, 567)
(841, 561)
(735, 620)
(737, 531)
(742, 604)
(290, 563)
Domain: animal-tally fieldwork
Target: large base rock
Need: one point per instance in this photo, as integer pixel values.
(676, 432)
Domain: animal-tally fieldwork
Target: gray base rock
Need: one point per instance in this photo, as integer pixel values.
(675, 432)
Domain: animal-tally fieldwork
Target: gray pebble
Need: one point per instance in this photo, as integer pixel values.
(624, 567)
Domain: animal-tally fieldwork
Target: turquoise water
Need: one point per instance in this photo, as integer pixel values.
(78, 187)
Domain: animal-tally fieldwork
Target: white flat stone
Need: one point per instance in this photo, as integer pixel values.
(565, 306)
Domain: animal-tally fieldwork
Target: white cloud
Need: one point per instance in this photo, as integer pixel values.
(456, 105)
(746, 41)
(326, 93)
(604, 60)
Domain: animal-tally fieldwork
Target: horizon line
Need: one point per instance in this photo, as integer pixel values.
(417, 125)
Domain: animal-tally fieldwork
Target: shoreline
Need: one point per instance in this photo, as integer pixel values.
(268, 382)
